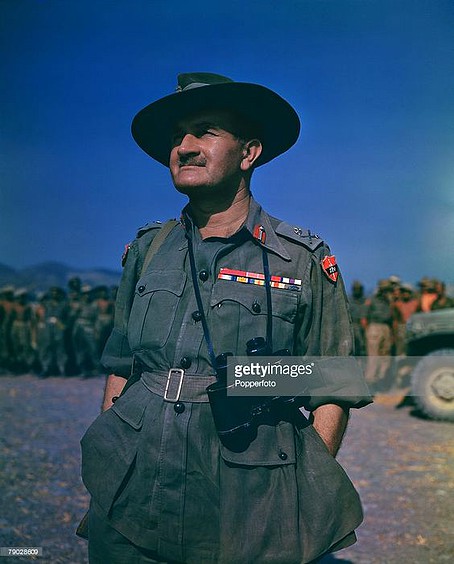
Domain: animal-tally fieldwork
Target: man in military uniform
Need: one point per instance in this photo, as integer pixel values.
(358, 311)
(74, 306)
(52, 315)
(442, 300)
(402, 309)
(164, 487)
(379, 321)
(105, 306)
(427, 295)
(6, 310)
(22, 322)
(84, 338)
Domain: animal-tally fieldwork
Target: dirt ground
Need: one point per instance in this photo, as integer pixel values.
(402, 465)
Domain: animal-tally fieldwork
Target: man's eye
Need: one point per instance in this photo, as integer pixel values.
(177, 138)
(206, 132)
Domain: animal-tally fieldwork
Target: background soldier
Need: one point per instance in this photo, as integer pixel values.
(6, 310)
(379, 335)
(105, 306)
(394, 288)
(442, 301)
(358, 310)
(74, 305)
(427, 294)
(402, 310)
(84, 340)
(52, 315)
(22, 318)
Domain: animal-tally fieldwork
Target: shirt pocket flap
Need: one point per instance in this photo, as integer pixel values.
(273, 446)
(253, 298)
(132, 405)
(169, 280)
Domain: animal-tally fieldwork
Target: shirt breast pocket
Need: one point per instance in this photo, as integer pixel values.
(153, 311)
(243, 309)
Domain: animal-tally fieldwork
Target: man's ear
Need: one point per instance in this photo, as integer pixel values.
(251, 152)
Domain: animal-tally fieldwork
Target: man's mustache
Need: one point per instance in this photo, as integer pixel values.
(191, 161)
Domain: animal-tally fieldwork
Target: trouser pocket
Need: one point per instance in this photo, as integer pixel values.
(109, 446)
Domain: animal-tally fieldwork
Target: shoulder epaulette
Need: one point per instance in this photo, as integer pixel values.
(141, 231)
(300, 235)
(148, 226)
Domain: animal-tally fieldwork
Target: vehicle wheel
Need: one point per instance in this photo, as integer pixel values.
(433, 385)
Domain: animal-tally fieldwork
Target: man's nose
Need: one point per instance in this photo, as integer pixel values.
(188, 145)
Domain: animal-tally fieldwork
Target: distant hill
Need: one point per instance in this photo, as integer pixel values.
(42, 276)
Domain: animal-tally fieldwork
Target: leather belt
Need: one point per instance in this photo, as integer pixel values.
(177, 385)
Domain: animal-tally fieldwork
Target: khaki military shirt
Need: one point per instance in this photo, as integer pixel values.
(157, 315)
(156, 469)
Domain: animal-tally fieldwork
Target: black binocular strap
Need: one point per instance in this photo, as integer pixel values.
(206, 331)
(269, 308)
(195, 283)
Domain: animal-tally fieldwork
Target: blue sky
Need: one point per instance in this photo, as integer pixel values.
(372, 81)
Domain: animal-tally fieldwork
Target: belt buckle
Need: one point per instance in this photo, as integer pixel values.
(178, 372)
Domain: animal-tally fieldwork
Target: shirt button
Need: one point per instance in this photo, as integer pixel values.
(185, 362)
(283, 455)
(256, 307)
(196, 315)
(203, 275)
(140, 289)
(179, 407)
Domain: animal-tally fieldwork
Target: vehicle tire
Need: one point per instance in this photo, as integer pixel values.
(433, 385)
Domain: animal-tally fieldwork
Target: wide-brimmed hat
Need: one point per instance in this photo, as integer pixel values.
(277, 121)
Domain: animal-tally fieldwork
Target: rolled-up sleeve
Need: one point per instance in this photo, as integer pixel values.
(328, 336)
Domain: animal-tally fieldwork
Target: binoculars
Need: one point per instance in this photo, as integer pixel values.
(236, 418)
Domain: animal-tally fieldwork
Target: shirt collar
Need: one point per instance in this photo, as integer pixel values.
(258, 224)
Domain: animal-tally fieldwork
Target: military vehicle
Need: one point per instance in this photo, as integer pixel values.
(430, 339)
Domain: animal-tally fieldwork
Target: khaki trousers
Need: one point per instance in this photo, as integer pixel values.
(379, 342)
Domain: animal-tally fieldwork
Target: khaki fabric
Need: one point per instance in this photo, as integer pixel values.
(161, 478)
(170, 488)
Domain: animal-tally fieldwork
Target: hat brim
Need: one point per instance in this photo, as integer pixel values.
(279, 124)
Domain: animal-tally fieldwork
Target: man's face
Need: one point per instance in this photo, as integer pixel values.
(205, 156)
(405, 295)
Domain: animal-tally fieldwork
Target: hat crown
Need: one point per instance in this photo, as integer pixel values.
(277, 121)
(187, 81)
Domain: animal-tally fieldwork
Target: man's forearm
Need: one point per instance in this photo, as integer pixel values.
(114, 387)
(330, 422)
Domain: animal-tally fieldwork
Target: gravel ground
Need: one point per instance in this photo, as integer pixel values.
(402, 465)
